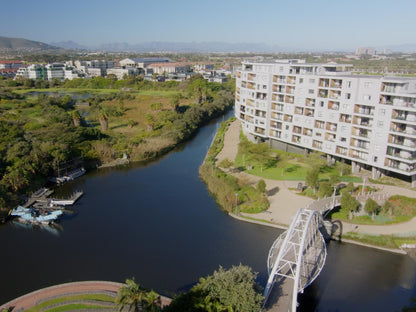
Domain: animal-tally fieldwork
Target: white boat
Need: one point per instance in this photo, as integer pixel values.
(32, 216)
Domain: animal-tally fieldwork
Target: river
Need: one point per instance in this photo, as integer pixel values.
(158, 223)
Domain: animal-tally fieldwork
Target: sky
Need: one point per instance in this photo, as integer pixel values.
(297, 24)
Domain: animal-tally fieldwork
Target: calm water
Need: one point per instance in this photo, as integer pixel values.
(158, 223)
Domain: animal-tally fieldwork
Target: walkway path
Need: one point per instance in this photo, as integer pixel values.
(29, 300)
(284, 203)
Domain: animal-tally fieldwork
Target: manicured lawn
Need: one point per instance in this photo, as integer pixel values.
(388, 241)
(96, 297)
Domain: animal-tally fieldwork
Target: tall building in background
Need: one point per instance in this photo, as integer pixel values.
(369, 121)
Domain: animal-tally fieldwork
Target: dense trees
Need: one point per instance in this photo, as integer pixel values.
(135, 298)
(234, 289)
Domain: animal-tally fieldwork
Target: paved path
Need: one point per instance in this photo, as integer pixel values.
(284, 203)
(29, 300)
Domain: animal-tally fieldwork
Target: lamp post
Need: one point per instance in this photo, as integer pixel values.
(333, 201)
(236, 202)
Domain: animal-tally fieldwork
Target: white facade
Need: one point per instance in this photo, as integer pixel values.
(368, 120)
(120, 73)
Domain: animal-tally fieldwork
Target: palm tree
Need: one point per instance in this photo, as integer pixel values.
(103, 119)
(152, 302)
(76, 118)
(131, 295)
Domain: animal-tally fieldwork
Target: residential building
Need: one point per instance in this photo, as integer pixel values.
(166, 68)
(120, 73)
(369, 121)
(94, 68)
(365, 51)
(6, 64)
(143, 62)
(58, 71)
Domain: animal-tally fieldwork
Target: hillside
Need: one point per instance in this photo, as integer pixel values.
(7, 43)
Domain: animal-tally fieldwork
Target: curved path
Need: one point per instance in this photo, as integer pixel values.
(32, 299)
(284, 203)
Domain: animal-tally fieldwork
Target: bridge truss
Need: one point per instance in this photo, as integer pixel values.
(298, 254)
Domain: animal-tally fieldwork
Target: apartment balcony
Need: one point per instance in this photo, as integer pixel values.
(249, 119)
(322, 93)
(359, 144)
(288, 118)
(307, 132)
(251, 76)
(398, 153)
(324, 83)
(319, 124)
(279, 79)
(336, 95)
(251, 85)
(395, 164)
(364, 110)
(261, 96)
(402, 141)
(260, 113)
(403, 115)
(238, 74)
(341, 150)
(299, 110)
(345, 118)
(289, 99)
(336, 83)
(290, 90)
(277, 107)
(242, 116)
(333, 105)
(276, 125)
(393, 87)
(297, 130)
(363, 133)
(310, 102)
(358, 154)
(278, 88)
(331, 126)
(362, 121)
(317, 144)
(275, 134)
(291, 79)
(276, 116)
(238, 90)
(259, 130)
(295, 139)
(309, 112)
(330, 137)
(250, 102)
(278, 98)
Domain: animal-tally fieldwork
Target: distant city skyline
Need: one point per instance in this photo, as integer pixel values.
(301, 24)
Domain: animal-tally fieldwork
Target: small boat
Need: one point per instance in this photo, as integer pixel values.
(32, 216)
(70, 176)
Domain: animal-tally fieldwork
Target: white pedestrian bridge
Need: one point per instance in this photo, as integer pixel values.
(297, 257)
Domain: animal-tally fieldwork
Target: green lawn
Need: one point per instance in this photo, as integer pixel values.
(96, 297)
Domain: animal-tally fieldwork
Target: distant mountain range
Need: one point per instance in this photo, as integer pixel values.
(9, 44)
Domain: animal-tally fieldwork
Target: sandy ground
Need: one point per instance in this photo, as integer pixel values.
(284, 203)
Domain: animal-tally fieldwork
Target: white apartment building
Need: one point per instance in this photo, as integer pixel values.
(369, 121)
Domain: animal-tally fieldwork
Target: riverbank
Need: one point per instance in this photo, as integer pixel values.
(284, 203)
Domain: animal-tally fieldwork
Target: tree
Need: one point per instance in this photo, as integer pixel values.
(156, 106)
(260, 153)
(312, 178)
(325, 189)
(131, 296)
(76, 118)
(231, 290)
(103, 119)
(349, 203)
(152, 302)
(343, 168)
(174, 102)
(371, 207)
(226, 163)
(261, 186)
(150, 121)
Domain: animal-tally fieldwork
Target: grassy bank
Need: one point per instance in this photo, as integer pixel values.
(231, 193)
(386, 241)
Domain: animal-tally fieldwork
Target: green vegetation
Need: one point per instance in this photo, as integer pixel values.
(387, 241)
(135, 298)
(42, 136)
(228, 190)
(66, 299)
(226, 290)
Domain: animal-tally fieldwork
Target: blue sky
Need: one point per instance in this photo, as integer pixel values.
(300, 24)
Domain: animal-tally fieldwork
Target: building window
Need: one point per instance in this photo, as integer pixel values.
(311, 80)
(367, 84)
(321, 103)
(382, 112)
(349, 84)
(300, 80)
(343, 139)
(380, 123)
(348, 96)
(311, 91)
(367, 97)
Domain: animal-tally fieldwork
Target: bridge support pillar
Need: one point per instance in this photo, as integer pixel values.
(414, 180)
(355, 167)
(330, 160)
